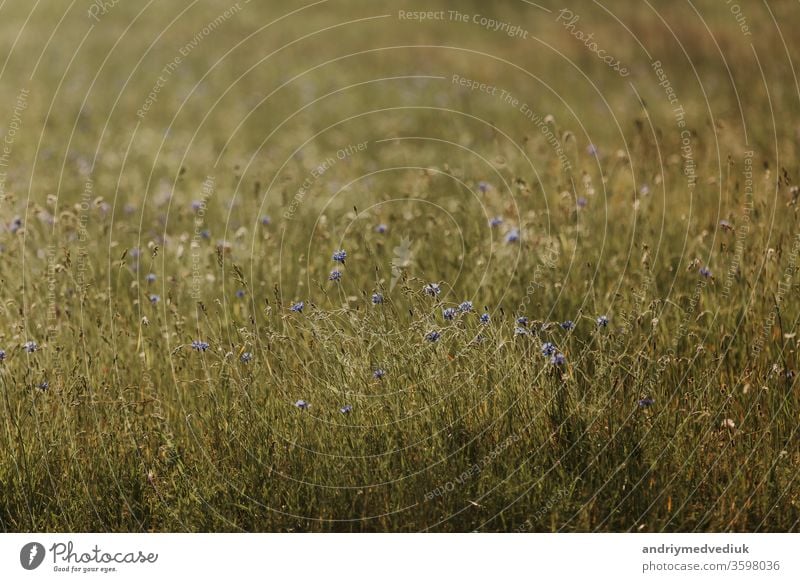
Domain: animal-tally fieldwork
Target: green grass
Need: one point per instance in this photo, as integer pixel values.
(137, 431)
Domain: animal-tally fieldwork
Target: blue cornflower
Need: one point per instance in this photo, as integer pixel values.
(582, 202)
(644, 190)
(591, 149)
(240, 293)
(297, 307)
(43, 385)
(522, 320)
(199, 345)
(484, 187)
(485, 318)
(433, 336)
(16, 224)
(340, 256)
(150, 278)
(520, 331)
(512, 236)
(2, 355)
(558, 359)
(346, 409)
(377, 298)
(135, 252)
(379, 374)
(205, 233)
(432, 289)
(568, 325)
(548, 349)
(336, 275)
(496, 221)
(646, 402)
(246, 357)
(381, 228)
(705, 272)
(465, 307)
(602, 321)
(30, 346)
(266, 220)
(154, 298)
(196, 205)
(449, 313)
(302, 405)
(725, 225)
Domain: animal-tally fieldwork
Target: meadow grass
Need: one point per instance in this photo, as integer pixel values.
(243, 176)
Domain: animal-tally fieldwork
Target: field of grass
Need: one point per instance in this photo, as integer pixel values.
(569, 299)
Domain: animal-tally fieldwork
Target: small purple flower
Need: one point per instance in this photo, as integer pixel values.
(465, 307)
(512, 236)
(205, 234)
(377, 299)
(644, 190)
(568, 325)
(2, 355)
(340, 256)
(266, 221)
(725, 225)
(302, 405)
(150, 278)
(199, 345)
(484, 187)
(433, 336)
(336, 275)
(154, 298)
(449, 313)
(582, 202)
(591, 149)
(602, 321)
(495, 222)
(135, 252)
(297, 307)
(346, 409)
(379, 374)
(432, 289)
(485, 319)
(246, 357)
(240, 293)
(646, 402)
(381, 228)
(16, 224)
(548, 349)
(522, 321)
(197, 205)
(30, 346)
(705, 272)
(558, 359)
(520, 331)
(44, 385)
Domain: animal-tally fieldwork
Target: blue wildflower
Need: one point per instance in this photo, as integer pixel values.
(496, 221)
(485, 318)
(336, 275)
(16, 224)
(522, 320)
(199, 345)
(205, 233)
(520, 331)
(297, 307)
(43, 385)
(340, 256)
(548, 349)
(432, 289)
(2, 355)
(602, 321)
(196, 205)
(646, 402)
(465, 307)
(705, 272)
(377, 298)
(433, 336)
(379, 374)
(449, 313)
(381, 228)
(266, 220)
(154, 298)
(568, 325)
(484, 187)
(30, 346)
(150, 278)
(582, 202)
(240, 293)
(246, 357)
(591, 149)
(302, 405)
(512, 236)
(346, 409)
(558, 359)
